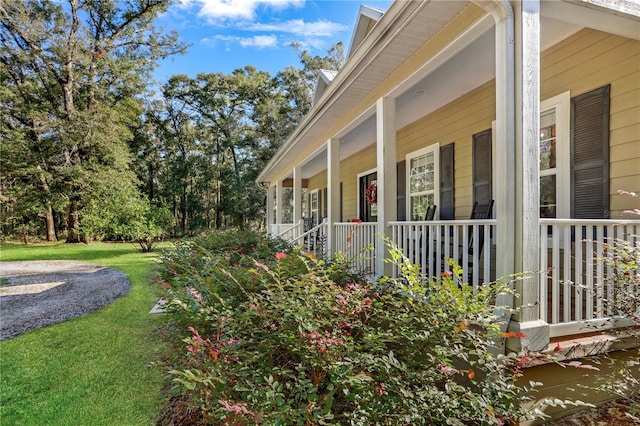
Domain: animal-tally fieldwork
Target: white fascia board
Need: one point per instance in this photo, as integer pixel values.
(366, 14)
(611, 16)
(332, 93)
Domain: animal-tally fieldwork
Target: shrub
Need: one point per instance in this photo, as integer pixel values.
(276, 340)
(622, 282)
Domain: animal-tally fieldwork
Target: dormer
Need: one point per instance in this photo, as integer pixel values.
(325, 77)
(368, 16)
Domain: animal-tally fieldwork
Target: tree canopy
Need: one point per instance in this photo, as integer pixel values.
(89, 144)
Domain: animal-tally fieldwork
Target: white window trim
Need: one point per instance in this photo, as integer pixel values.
(562, 105)
(315, 193)
(358, 176)
(435, 148)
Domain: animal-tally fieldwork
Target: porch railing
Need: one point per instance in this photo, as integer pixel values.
(430, 245)
(290, 231)
(578, 282)
(283, 230)
(313, 241)
(352, 238)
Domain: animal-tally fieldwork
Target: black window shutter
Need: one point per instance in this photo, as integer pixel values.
(482, 167)
(401, 198)
(590, 154)
(325, 203)
(447, 183)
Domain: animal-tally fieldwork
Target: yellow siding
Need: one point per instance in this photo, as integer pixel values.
(585, 61)
(590, 59)
(318, 181)
(456, 122)
(349, 169)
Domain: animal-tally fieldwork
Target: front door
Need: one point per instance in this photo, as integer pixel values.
(368, 197)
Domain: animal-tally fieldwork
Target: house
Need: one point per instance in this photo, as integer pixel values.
(530, 107)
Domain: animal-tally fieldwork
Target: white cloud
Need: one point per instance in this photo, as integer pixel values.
(259, 41)
(319, 28)
(222, 10)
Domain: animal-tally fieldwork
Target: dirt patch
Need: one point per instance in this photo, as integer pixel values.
(39, 293)
(613, 413)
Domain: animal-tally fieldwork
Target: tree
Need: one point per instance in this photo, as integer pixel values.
(224, 109)
(200, 148)
(73, 72)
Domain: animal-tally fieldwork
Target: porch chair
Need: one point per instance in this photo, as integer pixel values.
(478, 212)
(417, 235)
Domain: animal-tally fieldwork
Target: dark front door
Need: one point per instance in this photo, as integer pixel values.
(369, 198)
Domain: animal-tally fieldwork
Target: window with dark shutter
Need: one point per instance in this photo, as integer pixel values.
(481, 168)
(447, 183)
(401, 176)
(590, 154)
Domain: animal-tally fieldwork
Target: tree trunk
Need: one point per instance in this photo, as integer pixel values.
(50, 224)
(24, 232)
(73, 225)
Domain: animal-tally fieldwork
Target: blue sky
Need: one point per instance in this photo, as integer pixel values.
(229, 34)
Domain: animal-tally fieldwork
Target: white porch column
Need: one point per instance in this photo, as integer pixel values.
(387, 179)
(504, 137)
(333, 190)
(527, 190)
(270, 205)
(297, 194)
(279, 186)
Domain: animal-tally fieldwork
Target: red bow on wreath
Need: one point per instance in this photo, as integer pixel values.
(371, 193)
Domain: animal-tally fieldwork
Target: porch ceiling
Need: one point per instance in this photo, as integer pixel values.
(404, 29)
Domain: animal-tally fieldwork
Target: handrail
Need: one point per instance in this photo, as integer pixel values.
(584, 222)
(308, 233)
(444, 222)
(288, 230)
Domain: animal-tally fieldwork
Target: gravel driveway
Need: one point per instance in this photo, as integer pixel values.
(38, 293)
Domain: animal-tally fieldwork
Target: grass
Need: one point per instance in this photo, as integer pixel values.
(92, 370)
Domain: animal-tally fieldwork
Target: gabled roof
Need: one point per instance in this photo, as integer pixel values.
(325, 77)
(368, 16)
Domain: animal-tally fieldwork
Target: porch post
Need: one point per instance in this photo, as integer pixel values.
(270, 217)
(527, 229)
(279, 186)
(333, 190)
(387, 179)
(297, 194)
(505, 144)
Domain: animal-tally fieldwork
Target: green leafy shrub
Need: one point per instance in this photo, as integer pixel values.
(272, 337)
(622, 258)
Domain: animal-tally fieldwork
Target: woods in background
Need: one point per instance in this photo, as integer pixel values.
(91, 151)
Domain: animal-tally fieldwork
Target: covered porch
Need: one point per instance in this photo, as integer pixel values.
(574, 280)
(446, 105)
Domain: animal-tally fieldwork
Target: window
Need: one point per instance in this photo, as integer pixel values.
(422, 181)
(314, 205)
(554, 157)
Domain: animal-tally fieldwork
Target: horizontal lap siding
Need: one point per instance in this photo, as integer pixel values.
(350, 167)
(318, 181)
(456, 122)
(590, 59)
(585, 61)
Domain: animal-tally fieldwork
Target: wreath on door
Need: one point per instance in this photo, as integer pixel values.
(371, 193)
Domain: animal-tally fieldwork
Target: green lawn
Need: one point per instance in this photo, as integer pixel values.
(93, 370)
